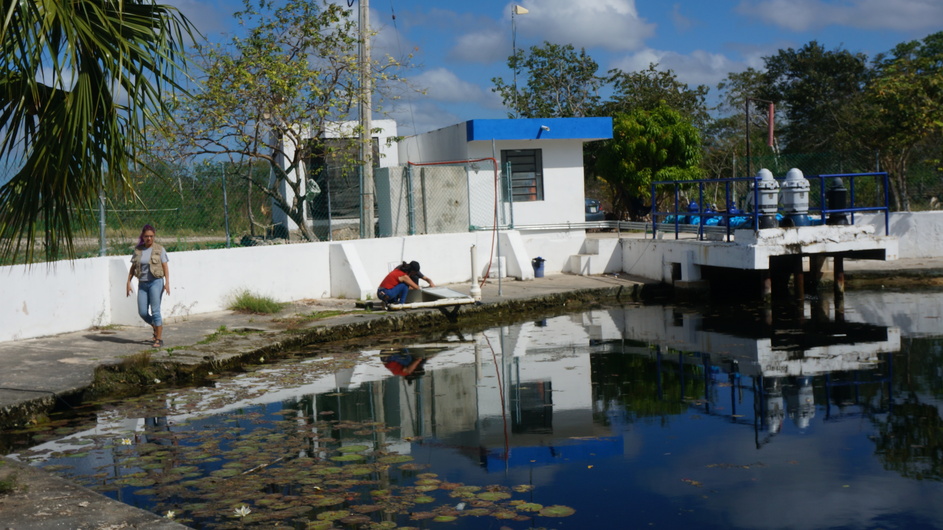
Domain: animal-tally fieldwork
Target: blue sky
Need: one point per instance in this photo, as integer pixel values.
(461, 45)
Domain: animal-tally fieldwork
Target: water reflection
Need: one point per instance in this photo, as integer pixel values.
(664, 415)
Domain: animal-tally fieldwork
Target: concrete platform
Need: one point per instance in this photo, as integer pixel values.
(681, 259)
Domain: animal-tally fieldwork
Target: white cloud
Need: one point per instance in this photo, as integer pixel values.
(608, 24)
(681, 22)
(421, 116)
(697, 68)
(443, 85)
(486, 46)
(804, 15)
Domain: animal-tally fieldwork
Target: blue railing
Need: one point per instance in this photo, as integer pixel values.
(706, 219)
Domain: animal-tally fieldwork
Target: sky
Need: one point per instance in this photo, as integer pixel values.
(460, 45)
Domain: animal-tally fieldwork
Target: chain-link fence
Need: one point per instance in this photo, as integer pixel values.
(217, 205)
(214, 205)
(202, 206)
(924, 178)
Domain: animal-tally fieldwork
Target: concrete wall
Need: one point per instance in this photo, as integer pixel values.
(919, 234)
(47, 299)
(562, 160)
(563, 180)
(70, 296)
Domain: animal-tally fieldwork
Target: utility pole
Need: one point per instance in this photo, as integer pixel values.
(366, 119)
(771, 112)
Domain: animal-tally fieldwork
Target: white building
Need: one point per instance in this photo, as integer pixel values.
(385, 155)
(544, 158)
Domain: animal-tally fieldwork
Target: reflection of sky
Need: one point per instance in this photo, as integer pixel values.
(584, 446)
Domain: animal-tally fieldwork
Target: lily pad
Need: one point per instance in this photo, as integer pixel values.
(395, 459)
(358, 470)
(355, 520)
(347, 458)
(530, 507)
(445, 518)
(494, 495)
(352, 449)
(333, 515)
(557, 510)
(331, 500)
(412, 466)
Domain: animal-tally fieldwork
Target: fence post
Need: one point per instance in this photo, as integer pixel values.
(510, 195)
(102, 248)
(410, 201)
(226, 207)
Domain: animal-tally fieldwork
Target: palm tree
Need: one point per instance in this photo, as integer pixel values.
(79, 81)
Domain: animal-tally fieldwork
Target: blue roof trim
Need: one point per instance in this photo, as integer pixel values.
(539, 129)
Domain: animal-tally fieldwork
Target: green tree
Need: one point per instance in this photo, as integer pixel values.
(648, 89)
(817, 89)
(79, 81)
(559, 82)
(647, 146)
(902, 108)
(278, 94)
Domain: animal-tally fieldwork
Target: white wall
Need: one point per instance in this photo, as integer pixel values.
(562, 170)
(46, 299)
(919, 234)
(440, 145)
(70, 296)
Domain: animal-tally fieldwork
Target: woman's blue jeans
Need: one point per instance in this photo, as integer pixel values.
(397, 294)
(149, 294)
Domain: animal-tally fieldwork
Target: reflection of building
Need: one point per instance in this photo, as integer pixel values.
(782, 358)
(570, 386)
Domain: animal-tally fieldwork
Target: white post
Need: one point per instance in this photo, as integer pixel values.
(475, 292)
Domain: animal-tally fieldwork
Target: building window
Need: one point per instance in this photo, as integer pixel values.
(527, 174)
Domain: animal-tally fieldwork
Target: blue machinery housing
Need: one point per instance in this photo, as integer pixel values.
(690, 202)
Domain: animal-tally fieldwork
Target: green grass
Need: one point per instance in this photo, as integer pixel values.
(247, 302)
(8, 485)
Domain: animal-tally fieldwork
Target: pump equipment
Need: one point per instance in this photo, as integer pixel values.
(765, 191)
(794, 194)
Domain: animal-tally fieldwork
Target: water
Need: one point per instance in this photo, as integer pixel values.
(628, 417)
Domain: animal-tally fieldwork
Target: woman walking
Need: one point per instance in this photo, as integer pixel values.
(149, 265)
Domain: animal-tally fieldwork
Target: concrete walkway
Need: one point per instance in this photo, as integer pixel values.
(36, 373)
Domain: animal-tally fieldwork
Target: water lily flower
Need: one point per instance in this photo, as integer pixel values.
(126, 441)
(156, 381)
(170, 514)
(242, 511)
(261, 359)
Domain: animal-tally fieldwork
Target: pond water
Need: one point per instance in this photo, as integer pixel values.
(622, 417)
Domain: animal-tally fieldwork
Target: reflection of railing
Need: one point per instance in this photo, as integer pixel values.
(707, 220)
